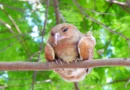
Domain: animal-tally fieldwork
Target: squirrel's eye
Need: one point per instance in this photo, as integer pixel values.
(65, 29)
(52, 34)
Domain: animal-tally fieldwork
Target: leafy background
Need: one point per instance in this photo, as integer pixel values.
(21, 25)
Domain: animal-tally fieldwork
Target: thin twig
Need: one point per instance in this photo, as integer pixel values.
(113, 82)
(34, 54)
(24, 44)
(17, 85)
(108, 7)
(12, 37)
(57, 12)
(8, 38)
(7, 47)
(94, 4)
(12, 20)
(124, 5)
(4, 31)
(118, 3)
(42, 43)
(18, 78)
(13, 7)
(33, 79)
(90, 10)
(62, 18)
(103, 25)
(128, 48)
(7, 25)
(11, 30)
(44, 29)
(76, 86)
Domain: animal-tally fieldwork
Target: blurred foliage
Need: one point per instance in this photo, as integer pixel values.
(24, 45)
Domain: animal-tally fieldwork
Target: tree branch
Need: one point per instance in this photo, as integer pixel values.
(62, 18)
(76, 85)
(118, 3)
(113, 82)
(94, 20)
(22, 41)
(108, 8)
(42, 43)
(7, 47)
(38, 66)
(123, 5)
(57, 12)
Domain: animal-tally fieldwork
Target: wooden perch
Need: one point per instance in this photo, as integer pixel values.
(37, 66)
